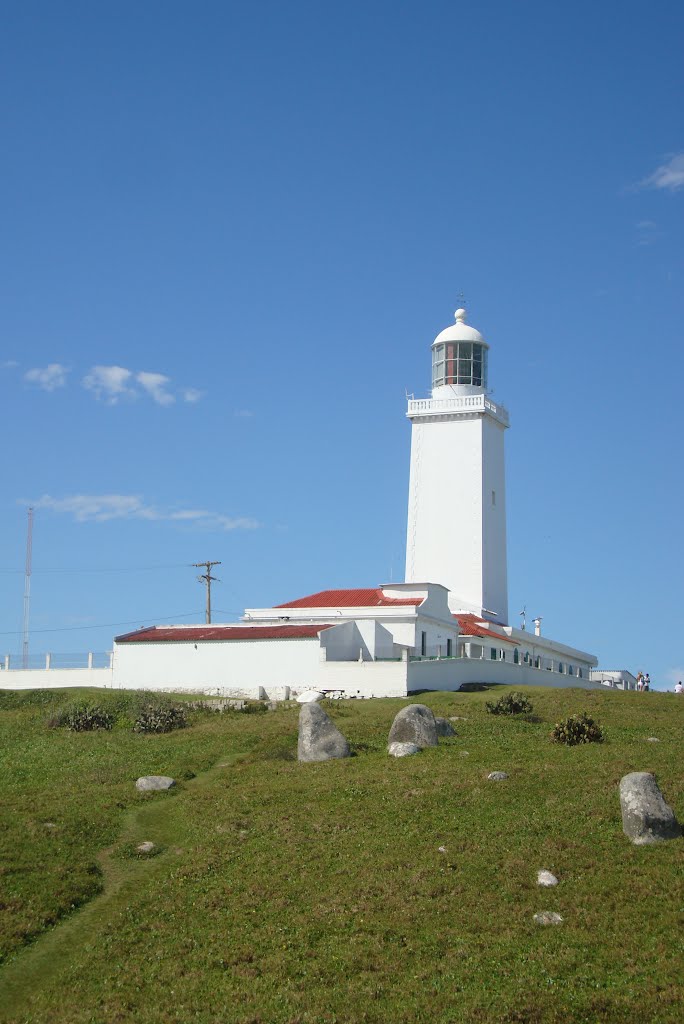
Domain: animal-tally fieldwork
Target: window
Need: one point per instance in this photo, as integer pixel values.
(492, 653)
(571, 670)
(423, 643)
(493, 499)
(502, 655)
(516, 656)
(449, 646)
(537, 662)
(560, 667)
(459, 362)
(579, 672)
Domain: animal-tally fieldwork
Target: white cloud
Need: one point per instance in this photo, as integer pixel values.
(192, 395)
(155, 386)
(49, 378)
(669, 176)
(109, 383)
(101, 508)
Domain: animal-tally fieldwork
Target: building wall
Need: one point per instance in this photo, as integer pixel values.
(225, 668)
(452, 673)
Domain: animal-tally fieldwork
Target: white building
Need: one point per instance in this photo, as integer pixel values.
(398, 638)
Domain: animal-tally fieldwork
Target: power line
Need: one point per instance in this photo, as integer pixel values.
(101, 625)
(136, 568)
(208, 579)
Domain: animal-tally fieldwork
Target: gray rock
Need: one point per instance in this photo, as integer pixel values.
(403, 749)
(414, 724)
(497, 776)
(546, 878)
(152, 783)
(319, 739)
(652, 739)
(548, 917)
(444, 727)
(146, 847)
(646, 818)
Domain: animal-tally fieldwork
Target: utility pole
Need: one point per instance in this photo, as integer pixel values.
(208, 579)
(27, 590)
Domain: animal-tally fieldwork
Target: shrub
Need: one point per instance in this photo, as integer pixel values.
(510, 704)
(577, 729)
(160, 717)
(81, 718)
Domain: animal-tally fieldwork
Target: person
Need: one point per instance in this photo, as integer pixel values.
(640, 681)
(647, 683)
(679, 688)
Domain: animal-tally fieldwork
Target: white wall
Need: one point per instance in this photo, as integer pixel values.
(224, 668)
(494, 568)
(450, 674)
(54, 678)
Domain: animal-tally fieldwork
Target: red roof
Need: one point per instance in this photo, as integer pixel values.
(470, 625)
(159, 634)
(371, 597)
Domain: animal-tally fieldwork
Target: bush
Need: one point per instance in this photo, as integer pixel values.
(577, 729)
(81, 718)
(160, 717)
(510, 704)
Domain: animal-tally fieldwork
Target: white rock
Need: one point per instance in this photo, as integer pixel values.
(497, 776)
(652, 739)
(403, 749)
(546, 878)
(442, 849)
(146, 847)
(310, 695)
(548, 917)
(150, 783)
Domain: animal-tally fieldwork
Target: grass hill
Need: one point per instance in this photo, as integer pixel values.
(364, 890)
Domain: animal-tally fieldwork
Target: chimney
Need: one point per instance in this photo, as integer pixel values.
(537, 625)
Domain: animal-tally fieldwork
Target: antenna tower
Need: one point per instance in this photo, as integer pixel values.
(27, 590)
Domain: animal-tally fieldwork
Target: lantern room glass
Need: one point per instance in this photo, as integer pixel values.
(459, 362)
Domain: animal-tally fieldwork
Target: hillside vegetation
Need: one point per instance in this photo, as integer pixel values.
(362, 890)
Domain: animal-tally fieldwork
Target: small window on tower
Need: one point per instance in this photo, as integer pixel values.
(423, 644)
(493, 499)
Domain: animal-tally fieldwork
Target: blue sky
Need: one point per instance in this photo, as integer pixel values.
(230, 233)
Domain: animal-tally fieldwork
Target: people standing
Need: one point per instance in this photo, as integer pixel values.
(640, 681)
(647, 683)
(679, 688)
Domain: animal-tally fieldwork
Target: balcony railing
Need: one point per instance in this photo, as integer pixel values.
(458, 404)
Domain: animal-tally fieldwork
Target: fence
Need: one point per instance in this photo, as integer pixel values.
(47, 661)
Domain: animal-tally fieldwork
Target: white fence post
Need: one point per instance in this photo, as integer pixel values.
(48, 658)
(90, 659)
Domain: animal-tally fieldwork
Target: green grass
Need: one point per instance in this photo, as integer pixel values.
(317, 894)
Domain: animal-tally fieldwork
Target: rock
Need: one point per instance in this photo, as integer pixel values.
(309, 695)
(497, 776)
(457, 718)
(652, 739)
(152, 783)
(319, 739)
(546, 878)
(403, 749)
(548, 917)
(146, 847)
(444, 727)
(464, 753)
(414, 724)
(442, 849)
(646, 818)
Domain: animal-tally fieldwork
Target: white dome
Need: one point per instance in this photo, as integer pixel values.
(460, 331)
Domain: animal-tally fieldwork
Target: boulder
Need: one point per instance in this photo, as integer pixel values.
(497, 776)
(646, 818)
(309, 695)
(146, 847)
(403, 749)
(444, 727)
(546, 878)
(153, 783)
(414, 724)
(319, 739)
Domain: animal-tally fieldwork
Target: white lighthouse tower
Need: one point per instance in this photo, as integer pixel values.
(457, 500)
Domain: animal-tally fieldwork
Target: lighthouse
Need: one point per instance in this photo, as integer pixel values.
(457, 493)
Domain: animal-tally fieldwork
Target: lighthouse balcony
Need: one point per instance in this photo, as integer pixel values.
(458, 405)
